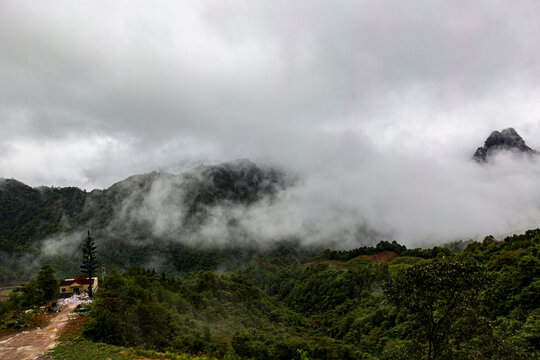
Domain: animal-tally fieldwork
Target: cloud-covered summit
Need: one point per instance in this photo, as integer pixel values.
(93, 92)
(506, 140)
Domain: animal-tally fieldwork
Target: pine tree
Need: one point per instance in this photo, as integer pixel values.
(89, 264)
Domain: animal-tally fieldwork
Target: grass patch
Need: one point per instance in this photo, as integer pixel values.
(73, 347)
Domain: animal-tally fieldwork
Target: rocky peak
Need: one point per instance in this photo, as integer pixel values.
(505, 140)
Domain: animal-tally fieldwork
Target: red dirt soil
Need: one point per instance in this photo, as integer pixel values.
(31, 344)
(381, 258)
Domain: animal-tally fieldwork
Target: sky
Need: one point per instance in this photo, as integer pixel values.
(377, 105)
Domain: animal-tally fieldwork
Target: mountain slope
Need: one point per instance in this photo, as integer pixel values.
(30, 214)
(151, 220)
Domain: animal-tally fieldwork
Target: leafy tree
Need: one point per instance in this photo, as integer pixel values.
(438, 296)
(89, 264)
(31, 296)
(46, 282)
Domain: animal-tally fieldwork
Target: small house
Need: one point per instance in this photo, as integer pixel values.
(80, 284)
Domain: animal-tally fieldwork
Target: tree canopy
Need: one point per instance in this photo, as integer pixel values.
(46, 282)
(437, 295)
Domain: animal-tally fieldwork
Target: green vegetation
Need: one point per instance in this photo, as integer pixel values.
(476, 303)
(35, 292)
(76, 348)
(198, 312)
(32, 218)
(29, 296)
(30, 214)
(89, 263)
(47, 284)
(439, 297)
(401, 250)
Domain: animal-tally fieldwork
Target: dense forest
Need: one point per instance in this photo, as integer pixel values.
(384, 302)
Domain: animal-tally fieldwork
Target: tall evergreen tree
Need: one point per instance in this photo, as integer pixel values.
(89, 264)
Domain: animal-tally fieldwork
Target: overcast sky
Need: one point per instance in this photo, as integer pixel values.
(94, 91)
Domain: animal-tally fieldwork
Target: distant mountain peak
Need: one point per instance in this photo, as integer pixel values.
(505, 140)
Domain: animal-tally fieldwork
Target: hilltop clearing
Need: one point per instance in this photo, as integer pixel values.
(383, 257)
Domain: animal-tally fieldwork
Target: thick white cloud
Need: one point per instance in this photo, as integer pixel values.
(94, 91)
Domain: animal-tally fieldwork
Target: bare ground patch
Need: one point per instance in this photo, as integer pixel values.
(383, 257)
(31, 344)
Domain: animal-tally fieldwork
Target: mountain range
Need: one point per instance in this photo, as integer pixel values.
(153, 220)
(157, 220)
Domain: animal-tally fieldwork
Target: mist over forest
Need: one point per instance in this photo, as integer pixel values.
(272, 179)
(258, 208)
(377, 134)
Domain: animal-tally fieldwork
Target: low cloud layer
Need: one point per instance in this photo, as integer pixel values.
(419, 202)
(377, 107)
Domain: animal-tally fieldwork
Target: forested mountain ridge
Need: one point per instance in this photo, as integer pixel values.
(29, 214)
(205, 218)
(144, 219)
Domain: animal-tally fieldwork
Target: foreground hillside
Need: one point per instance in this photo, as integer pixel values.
(383, 302)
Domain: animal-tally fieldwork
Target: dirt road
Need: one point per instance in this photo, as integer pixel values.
(31, 344)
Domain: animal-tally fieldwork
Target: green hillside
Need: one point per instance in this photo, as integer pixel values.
(476, 303)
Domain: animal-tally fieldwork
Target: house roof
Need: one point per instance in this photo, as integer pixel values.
(81, 280)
